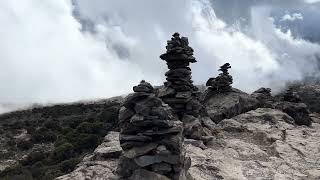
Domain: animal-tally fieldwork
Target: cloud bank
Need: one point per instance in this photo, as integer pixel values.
(63, 50)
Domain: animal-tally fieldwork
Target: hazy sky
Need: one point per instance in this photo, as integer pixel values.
(62, 51)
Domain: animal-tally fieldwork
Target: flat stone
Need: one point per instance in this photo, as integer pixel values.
(133, 98)
(166, 91)
(162, 150)
(136, 118)
(183, 95)
(144, 106)
(207, 122)
(163, 112)
(108, 150)
(147, 160)
(138, 151)
(161, 168)
(125, 114)
(196, 143)
(173, 130)
(142, 174)
(154, 123)
(140, 138)
(178, 72)
(173, 142)
(143, 87)
(175, 101)
(130, 144)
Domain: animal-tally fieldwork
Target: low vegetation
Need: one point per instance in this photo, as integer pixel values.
(71, 137)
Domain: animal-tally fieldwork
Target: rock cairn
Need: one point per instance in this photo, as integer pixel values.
(151, 138)
(221, 83)
(179, 91)
(263, 95)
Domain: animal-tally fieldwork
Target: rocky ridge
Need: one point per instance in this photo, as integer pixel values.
(260, 144)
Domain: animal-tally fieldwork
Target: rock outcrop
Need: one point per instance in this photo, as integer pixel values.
(291, 96)
(298, 111)
(310, 95)
(260, 144)
(179, 91)
(151, 138)
(227, 105)
(292, 105)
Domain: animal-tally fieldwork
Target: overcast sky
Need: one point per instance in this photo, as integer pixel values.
(63, 50)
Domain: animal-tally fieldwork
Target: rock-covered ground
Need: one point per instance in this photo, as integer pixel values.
(251, 139)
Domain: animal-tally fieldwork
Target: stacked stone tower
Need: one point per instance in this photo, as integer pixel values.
(179, 91)
(221, 83)
(151, 138)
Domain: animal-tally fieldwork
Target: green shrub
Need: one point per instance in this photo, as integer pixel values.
(66, 130)
(16, 173)
(53, 125)
(91, 128)
(109, 115)
(51, 173)
(33, 157)
(37, 169)
(61, 140)
(72, 122)
(11, 142)
(62, 152)
(68, 165)
(24, 144)
(86, 141)
(43, 135)
(86, 127)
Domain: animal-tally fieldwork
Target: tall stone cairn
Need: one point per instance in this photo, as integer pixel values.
(221, 83)
(179, 91)
(151, 138)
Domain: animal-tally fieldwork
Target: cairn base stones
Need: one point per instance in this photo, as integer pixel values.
(151, 138)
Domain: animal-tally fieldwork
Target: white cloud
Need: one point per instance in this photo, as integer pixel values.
(45, 57)
(292, 17)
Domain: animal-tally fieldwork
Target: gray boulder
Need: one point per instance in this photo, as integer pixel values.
(227, 105)
(260, 144)
(298, 111)
(310, 95)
